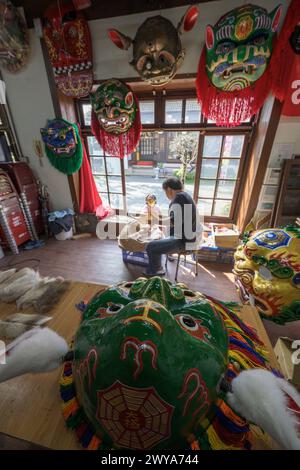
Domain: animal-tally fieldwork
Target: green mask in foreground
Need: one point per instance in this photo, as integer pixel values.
(149, 360)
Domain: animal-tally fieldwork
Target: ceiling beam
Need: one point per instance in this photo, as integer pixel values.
(105, 9)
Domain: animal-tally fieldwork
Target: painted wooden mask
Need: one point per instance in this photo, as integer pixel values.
(239, 46)
(115, 120)
(157, 48)
(134, 383)
(68, 40)
(114, 105)
(63, 145)
(14, 40)
(267, 270)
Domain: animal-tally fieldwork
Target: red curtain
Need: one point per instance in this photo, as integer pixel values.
(90, 200)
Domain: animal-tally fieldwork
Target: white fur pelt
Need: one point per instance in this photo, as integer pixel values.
(4, 275)
(17, 284)
(42, 351)
(43, 296)
(261, 398)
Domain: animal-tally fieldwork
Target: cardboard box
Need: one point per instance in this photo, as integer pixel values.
(228, 239)
(288, 357)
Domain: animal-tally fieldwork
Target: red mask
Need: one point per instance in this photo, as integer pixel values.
(68, 40)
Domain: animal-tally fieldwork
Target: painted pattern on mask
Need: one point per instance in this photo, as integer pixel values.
(267, 269)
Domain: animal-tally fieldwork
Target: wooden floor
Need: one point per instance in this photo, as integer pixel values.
(30, 407)
(100, 262)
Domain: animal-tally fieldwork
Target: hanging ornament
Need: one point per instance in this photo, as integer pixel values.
(116, 121)
(14, 40)
(285, 63)
(233, 79)
(63, 145)
(157, 48)
(67, 36)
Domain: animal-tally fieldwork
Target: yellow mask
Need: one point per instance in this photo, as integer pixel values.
(267, 271)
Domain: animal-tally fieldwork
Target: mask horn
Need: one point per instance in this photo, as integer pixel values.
(119, 39)
(275, 15)
(209, 37)
(188, 20)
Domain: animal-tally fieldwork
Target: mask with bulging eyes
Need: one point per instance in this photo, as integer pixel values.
(239, 46)
(63, 145)
(267, 271)
(114, 106)
(157, 48)
(152, 361)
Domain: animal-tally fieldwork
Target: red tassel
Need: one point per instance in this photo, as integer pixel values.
(230, 108)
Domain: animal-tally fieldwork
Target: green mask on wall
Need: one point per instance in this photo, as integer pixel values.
(239, 46)
(114, 105)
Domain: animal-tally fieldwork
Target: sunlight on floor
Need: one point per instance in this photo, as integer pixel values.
(206, 270)
(230, 277)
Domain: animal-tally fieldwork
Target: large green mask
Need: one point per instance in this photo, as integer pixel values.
(239, 46)
(149, 359)
(114, 106)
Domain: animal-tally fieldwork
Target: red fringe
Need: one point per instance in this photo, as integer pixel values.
(230, 108)
(118, 145)
(283, 54)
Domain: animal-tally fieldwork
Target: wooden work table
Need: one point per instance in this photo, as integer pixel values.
(30, 406)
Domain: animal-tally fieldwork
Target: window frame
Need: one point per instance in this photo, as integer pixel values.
(160, 97)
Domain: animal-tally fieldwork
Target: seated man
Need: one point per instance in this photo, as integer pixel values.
(184, 227)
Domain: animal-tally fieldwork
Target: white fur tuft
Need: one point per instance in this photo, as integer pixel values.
(4, 275)
(40, 352)
(259, 396)
(17, 284)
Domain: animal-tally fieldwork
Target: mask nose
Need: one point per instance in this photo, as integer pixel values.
(147, 312)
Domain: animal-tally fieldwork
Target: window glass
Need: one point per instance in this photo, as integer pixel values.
(93, 147)
(113, 165)
(192, 111)
(87, 110)
(205, 206)
(225, 189)
(207, 188)
(115, 184)
(100, 183)
(212, 146)
(209, 168)
(173, 112)
(229, 168)
(233, 146)
(222, 208)
(147, 112)
(97, 165)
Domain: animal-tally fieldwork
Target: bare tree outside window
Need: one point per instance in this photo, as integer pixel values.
(185, 147)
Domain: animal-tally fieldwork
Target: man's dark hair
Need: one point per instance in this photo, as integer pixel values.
(172, 183)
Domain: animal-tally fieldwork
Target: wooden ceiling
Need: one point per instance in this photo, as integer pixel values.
(104, 9)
